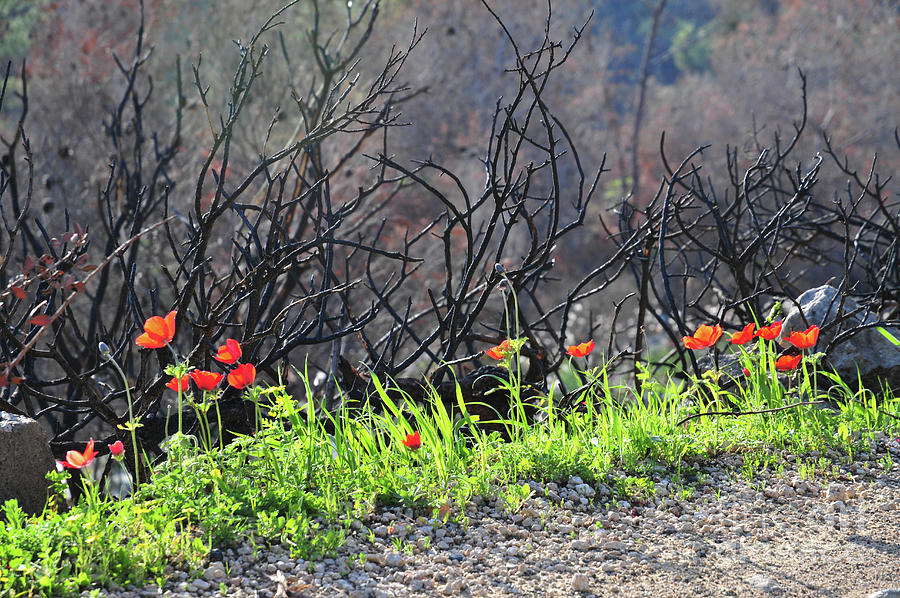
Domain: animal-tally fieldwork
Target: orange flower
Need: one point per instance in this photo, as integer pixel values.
(413, 441)
(739, 338)
(229, 353)
(787, 362)
(206, 380)
(242, 376)
(769, 332)
(705, 337)
(500, 351)
(179, 385)
(581, 350)
(157, 331)
(806, 339)
(76, 460)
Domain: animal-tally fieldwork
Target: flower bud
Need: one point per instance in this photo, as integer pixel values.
(104, 349)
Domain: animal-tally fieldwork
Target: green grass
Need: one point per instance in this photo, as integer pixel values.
(295, 484)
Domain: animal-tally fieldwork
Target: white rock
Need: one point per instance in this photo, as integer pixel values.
(764, 583)
(454, 587)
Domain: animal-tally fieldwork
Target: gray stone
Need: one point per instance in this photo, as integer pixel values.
(584, 490)
(876, 357)
(25, 459)
(215, 572)
(891, 593)
(764, 583)
(836, 492)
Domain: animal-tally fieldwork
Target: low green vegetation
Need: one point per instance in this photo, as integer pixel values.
(304, 476)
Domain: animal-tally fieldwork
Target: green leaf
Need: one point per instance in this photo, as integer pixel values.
(888, 335)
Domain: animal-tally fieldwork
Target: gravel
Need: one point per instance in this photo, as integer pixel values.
(777, 534)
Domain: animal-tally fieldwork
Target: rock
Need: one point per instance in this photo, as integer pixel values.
(836, 492)
(198, 585)
(877, 358)
(764, 583)
(581, 583)
(581, 545)
(454, 587)
(375, 558)
(25, 459)
(584, 490)
(214, 572)
(891, 593)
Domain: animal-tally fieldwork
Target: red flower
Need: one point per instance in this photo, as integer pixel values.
(229, 353)
(206, 380)
(157, 331)
(787, 362)
(179, 385)
(705, 337)
(117, 449)
(806, 339)
(581, 350)
(769, 332)
(739, 338)
(76, 460)
(500, 351)
(242, 376)
(746, 372)
(413, 441)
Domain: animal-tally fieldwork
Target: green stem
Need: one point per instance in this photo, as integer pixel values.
(131, 427)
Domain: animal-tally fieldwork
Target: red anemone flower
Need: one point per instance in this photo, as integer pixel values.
(739, 338)
(805, 339)
(787, 362)
(500, 351)
(117, 449)
(769, 332)
(242, 376)
(179, 385)
(229, 353)
(581, 350)
(76, 460)
(413, 441)
(206, 380)
(705, 337)
(157, 331)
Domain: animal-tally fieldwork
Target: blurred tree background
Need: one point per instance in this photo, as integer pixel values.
(720, 72)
